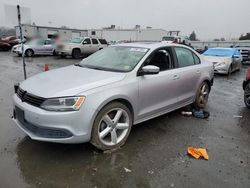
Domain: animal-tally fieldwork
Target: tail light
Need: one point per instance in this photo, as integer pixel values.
(248, 74)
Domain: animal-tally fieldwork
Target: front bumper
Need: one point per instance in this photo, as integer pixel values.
(221, 69)
(17, 51)
(59, 127)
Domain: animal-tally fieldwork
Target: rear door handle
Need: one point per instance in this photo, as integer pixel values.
(175, 77)
(198, 71)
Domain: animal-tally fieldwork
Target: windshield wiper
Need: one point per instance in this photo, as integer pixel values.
(78, 65)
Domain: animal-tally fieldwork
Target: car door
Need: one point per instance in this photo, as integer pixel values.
(39, 47)
(157, 93)
(48, 47)
(95, 45)
(87, 46)
(189, 75)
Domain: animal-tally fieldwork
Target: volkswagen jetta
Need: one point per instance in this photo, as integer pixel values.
(99, 99)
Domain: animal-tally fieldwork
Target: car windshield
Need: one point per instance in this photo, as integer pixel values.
(220, 52)
(115, 58)
(76, 40)
(168, 38)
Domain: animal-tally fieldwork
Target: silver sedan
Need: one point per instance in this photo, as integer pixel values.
(36, 47)
(99, 99)
(225, 60)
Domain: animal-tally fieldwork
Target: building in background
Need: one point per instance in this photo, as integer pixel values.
(33, 31)
(109, 33)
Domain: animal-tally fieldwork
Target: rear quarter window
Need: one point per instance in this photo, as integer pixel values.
(103, 41)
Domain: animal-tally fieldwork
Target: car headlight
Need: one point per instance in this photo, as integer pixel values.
(220, 64)
(63, 104)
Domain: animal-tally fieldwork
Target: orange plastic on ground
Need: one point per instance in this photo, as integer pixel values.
(198, 152)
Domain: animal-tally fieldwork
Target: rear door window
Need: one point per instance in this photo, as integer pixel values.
(185, 57)
(103, 41)
(94, 41)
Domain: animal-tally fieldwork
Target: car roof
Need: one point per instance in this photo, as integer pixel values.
(149, 45)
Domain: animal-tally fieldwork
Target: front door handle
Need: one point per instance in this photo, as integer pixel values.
(175, 77)
(198, 71)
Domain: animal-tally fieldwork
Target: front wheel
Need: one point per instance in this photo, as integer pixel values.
(202, 95)
(76, 53)
(247, 95)
(29, 53)
(111, 126)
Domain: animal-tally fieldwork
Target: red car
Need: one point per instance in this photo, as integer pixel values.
(11, 40)
(246, 87)
(4, 46)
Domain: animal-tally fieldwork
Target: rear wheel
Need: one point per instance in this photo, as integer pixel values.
(29, 53)
(202, 95)
(247, 95)
(76, 53)
(111, 126)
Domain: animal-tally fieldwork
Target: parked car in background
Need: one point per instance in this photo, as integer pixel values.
(225, 60)
(177, 39)
(246, 87)
(245, 53)
(36, 47)
(6, 43)
(77, 47)
(5, 46)
(109, 91)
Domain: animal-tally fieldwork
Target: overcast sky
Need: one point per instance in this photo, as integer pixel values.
(208, 18)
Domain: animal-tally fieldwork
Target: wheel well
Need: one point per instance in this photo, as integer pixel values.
(76, 49)
(126, 103)
(209, 84)
(29, 49)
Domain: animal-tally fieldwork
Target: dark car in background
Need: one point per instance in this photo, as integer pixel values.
(7, 43)
(245, 53)
(246, 87)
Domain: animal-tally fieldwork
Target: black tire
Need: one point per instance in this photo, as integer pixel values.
(76, 53)
(202, 95)
(54, 53)
(29, 52)
(98, 126)
(230, 70)
(247, 95)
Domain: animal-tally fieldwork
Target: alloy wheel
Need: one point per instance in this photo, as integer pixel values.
(203, 95)
(113, 127)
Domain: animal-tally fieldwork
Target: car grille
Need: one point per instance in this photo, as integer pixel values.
(29, 98)
(245, 53)
(40, 131)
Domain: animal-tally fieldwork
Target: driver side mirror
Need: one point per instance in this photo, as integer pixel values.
(84, 42)
(150, 69)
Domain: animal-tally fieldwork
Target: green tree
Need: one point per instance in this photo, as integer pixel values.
(245, 37)
(192, 36)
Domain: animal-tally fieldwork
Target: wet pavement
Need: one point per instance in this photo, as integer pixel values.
(155, 151)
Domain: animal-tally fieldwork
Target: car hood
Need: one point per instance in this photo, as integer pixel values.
(68, 81)
(216, 59)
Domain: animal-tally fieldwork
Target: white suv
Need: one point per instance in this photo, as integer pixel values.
(77, 47)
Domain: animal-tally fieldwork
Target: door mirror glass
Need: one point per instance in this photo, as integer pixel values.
(150, 69)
